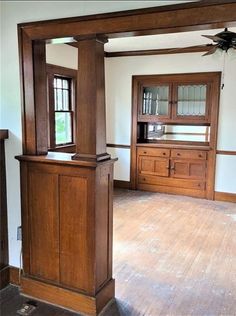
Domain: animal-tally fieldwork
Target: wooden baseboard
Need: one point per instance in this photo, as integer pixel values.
(122, 184)
(4, 277)
(74, 301)
(172, 190)
(226, 197)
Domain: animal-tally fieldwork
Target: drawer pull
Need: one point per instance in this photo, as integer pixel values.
(200, 155)
(178, 154)
(144, 152)
(163, 154)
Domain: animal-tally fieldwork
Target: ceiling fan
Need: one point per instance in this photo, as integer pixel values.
(224, 40)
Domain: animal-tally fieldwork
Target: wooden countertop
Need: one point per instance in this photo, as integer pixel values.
(3, 134)
(180, 146)
(62, 158)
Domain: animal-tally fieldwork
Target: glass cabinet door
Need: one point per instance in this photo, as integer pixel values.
(191, 101)
(155, 101)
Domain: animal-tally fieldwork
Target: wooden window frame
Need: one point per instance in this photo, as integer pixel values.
(67, 73)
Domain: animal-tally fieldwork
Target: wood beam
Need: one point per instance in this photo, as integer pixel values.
(176, 18)
(91, 125)
(163, 51)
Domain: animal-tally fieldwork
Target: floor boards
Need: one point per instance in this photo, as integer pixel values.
(173, 255)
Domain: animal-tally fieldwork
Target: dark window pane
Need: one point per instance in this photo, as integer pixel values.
(63, 128)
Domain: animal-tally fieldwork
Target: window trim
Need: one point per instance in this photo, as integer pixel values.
(67, 73)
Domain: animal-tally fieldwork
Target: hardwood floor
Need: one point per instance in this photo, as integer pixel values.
(173, 255)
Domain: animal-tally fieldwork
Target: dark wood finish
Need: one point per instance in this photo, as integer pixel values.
(157, 166)
(43, 224)
(121, 184)
(188, 150)
(138, 22)
(163, 51)
(180, 168)
(15, 275)
(40, 95)
(225, 196)
(4, 269)
(90, 117)
(53, 70)
(118, 146)
(67, 236)
(71, 300)
(76, 247)
(173, 80)
(226, 152)
(3, 134)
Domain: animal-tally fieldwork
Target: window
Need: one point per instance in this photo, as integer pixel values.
(63, 113)
(61, 106)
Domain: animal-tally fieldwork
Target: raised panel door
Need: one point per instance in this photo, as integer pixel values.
(75, 246)
(188, 169)
(44, 225)
(153, 166)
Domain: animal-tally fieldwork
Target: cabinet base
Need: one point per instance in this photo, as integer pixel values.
(85, 304)
(172, 190)
(4, 277)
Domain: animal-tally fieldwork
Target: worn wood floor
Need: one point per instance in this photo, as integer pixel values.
(173, 255)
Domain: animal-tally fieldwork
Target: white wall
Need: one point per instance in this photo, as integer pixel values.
(62, 55)
(13, 12)
(119, 73)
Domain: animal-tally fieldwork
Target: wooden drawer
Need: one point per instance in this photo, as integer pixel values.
(190, 154)
(158, 152)
(181, 183)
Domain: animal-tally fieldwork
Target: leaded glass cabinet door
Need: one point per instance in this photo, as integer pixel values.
(155, 102)
(190, 101)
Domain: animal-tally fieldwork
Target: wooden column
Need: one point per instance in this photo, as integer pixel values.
(67, 199)
(91, 127)
(4, 267)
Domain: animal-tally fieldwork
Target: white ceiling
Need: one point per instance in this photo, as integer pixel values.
(161, 41)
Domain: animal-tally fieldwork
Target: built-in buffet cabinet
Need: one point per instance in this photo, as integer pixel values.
(174, 133)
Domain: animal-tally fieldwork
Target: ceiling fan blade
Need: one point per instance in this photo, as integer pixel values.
(215, 38)
(211, 51)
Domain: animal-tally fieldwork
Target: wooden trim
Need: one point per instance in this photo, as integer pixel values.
(179, 50)
(224, 196)
(75, 301)
(3, 134)
(4, 277)
(122, 184)
(226, 152)
(62, 71)
(119, 146)
(155, 20)
(54, 70)
(15, 275)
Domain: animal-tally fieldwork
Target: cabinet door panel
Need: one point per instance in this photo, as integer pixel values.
(188, 169)
(44, 224)
(74, 243)
(191, 101)
(154, 166)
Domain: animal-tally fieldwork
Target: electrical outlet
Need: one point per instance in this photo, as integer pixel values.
(19, 233)
(26, 310)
